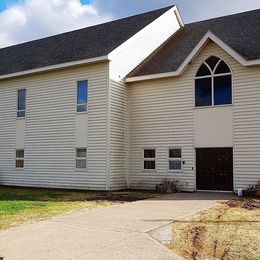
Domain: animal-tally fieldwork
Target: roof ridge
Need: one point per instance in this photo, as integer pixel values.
(91, 26)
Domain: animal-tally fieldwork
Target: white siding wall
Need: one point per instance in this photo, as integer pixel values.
(162, 116)
(246, 125)
(20, 134)
(81, 130)
(118, 135)
(123, 60)
(50, 129)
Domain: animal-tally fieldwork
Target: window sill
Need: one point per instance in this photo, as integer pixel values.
(80, 170)
(82, 113)
(149, 171)
(215, 106)
(20, 118)
(175, 171)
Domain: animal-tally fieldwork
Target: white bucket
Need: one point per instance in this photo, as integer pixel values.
(239, 192)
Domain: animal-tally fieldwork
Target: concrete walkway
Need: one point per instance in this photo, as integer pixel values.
(115, 232)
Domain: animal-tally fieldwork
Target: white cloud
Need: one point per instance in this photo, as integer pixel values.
(32, 19)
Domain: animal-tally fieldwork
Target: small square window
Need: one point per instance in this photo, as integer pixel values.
(149, 153)
(174, 165)
(19, 153)
(82, 153)
(149, 165)
(81, 164)
(174, 153)
(19, 164)
(149, 159)
(81, 158)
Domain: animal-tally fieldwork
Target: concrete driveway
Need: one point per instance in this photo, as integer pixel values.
(115, 232)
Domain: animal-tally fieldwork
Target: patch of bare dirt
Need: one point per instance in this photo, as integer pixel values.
(249, 204)
(115, 198)
(197, 234)
(228, 231)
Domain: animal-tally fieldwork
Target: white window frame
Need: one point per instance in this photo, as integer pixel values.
(83, 104)
(17, 103)
(175, 159)
(212, 76)
(80, 158)
(150, 159)
(19, 159)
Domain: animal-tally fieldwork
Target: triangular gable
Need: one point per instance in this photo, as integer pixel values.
(208, 36)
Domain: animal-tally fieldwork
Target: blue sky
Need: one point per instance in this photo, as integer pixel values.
(6, 3)
(24, 20)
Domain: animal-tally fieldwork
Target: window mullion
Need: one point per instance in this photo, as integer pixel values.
(212, 90)
(216, 66)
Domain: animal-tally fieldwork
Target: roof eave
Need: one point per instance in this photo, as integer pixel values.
(208, 36)
(56, 67)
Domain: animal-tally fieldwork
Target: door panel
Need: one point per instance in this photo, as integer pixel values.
(214, 169)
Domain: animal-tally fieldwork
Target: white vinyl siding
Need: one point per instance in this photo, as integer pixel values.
(50, 129)
(123, 60)
(162, 115)
(121, 122)
(118, 135)
(246, 114)
(246, 126)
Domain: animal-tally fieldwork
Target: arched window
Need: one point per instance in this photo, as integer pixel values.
(213, 83)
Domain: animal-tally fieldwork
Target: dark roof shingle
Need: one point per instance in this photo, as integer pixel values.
(90, 42)
(241, 32)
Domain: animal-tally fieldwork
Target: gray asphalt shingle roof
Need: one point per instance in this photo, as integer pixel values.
(90, 42)
(241, 32)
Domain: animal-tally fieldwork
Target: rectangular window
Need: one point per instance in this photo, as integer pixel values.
(223, 90)
(175, 159)
(21, 102)
(203, 92)
(149, 159)
(82, 96)
(19, 160)
(81, 158)
(213, 91)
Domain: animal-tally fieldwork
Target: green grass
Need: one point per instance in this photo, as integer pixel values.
(20, 205)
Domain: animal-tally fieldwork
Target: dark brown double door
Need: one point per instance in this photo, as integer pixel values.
(214, 167)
